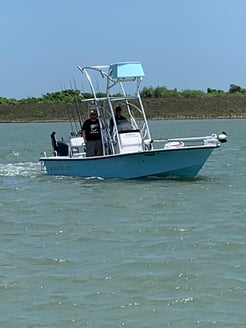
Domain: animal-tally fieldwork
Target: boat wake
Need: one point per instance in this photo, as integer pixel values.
(20, 169)
(94, 178)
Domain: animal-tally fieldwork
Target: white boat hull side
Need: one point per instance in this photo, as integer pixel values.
(174, 162)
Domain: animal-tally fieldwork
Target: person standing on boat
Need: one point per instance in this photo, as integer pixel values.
(121, 122)
(91, 133)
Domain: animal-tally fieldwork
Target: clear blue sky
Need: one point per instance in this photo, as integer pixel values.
(183, 44)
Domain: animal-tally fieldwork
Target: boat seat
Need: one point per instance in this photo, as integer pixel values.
(130, 141)
(77, 142)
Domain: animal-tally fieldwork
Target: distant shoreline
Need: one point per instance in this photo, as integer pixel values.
(150, 119)
(169, 108)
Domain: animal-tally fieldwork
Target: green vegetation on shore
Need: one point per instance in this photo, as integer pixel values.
(159, 102)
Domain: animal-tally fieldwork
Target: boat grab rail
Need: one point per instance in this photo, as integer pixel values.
(213, 137)
(214, 140)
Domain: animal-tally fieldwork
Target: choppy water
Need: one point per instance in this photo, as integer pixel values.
(106, 253)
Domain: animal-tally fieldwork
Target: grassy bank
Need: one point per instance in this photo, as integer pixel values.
(230, 106)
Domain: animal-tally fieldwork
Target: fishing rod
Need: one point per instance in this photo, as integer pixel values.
(67, 110)
(77, 104)
(70, 119)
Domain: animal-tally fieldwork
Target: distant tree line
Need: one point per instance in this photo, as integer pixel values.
(163, 92)
(71, 96)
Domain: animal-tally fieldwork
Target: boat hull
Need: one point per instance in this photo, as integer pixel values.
(185, 162)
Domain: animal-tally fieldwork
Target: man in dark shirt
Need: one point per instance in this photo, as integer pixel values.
(121, 121)
(91, 133)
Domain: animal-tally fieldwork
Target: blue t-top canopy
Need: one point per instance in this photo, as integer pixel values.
(128, 70)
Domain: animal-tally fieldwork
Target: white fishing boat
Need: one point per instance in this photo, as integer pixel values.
(128, 150)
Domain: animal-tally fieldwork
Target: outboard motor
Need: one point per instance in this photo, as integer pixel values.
(54, 141)
(63, 148)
